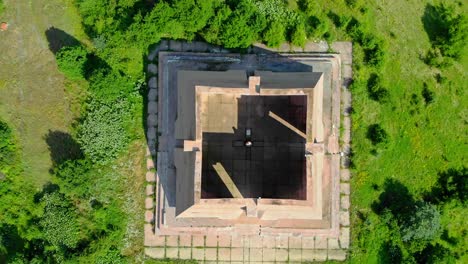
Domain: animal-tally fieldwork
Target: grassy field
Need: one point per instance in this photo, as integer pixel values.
(33, 94)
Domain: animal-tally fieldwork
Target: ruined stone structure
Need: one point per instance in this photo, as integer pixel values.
(245, 156)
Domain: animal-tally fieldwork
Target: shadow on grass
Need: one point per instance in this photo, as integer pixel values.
(390, 253)
(395, 198)
(451, 184)
(58, 39)
(62, 147)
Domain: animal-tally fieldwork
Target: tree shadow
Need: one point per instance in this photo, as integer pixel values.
(47, 188)
(434, 24)
(390, 253)
(62, 147)
(395, 198)
(58, 39)
(451, 184)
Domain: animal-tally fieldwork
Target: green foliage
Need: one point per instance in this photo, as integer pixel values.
(423, 224)
(376, 134)
(447, 29)
(298, 36)
(274, 36)
(375, 88)
(102, 134)
(74, 177)
(108, 85)
(71, 60)
(7, 147)
(2, 7)
(59, 223)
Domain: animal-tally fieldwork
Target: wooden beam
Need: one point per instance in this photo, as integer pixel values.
(287, 124)
(227, 180)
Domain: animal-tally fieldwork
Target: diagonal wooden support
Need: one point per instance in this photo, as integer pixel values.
(227, 180)
(287, 124)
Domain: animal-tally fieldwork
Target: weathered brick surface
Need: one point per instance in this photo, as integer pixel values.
(155, 252)
(321, 242)
(149, 203)
(344, 188)
(314, 255)
(269, 254)
(185, 240)
(256, 254)
(308, 242)
(345, 175)
(344, 218)
(152, 107)
(152, 68)
(198, 253)
(152, 120)
(269, 242)
(337, 255)
(281, 254)
(237, 254)
(172, 253)
(211, 253)
(185, 253)
(344, 237)
(295, 255)
(211, 241)
(255, 241)
(149, 164)
(224, 241)
(149, 216)
(333, 243)
(152, 94)
(345, 202)
(224, 254)
(295, 242)
(198, 241)
(153, 83)
(282, 242)
(172, 241)
(149, 190)
(150, 176)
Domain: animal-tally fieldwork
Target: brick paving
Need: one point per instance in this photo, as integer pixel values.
(233, 248)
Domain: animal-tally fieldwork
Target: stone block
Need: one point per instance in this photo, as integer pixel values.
(152, 94)
(344, 237)
(224, 254)
(255, 242)
(344, 218)
(211, 253)
(149, 203)
(152, 240)
(295, 242)
(269, 242)
(321, 46)
(239, 241)
(149, 164)
(152, 120)
(321, 242)
(333, 243)
(337, 254)
(347, 71)
(152, 55)
(150, 176)
(198, 253)
(152, 107)
(345, 202)
(152, 68)
(295, 255)
(149, 190)
(172, 253)
(308, 242)
(211, 241)
(164, 45)
(185, 253)
(314, 255)
(237, 254)
(198, 241)
(282, 242)
(156, 253)
(149, 216)
(269, 254)
(172, 241)
(224, 241)
(175, 45)
(344, 188)
(256, 254)
(282, 254)
(296, 48)
(153, 83)
(185, 240)
(345, 175)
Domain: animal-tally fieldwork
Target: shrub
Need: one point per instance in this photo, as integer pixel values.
(298, 36)
(71, 61)
(102, 134)
(375, 88)
(423, 224)
(74, 177)
(447, 29)
(7, 146)
(108, 85)
(274, 36)
(59, 222)
(376, 134)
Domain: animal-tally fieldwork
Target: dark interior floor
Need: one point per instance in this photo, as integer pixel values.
(274, 167)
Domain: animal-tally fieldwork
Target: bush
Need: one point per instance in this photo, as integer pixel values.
(102, 134)
(74, 177)
(423, 224)
(71, 61)
(375, 88)
(376, 134)
(447, 29)
(298, 36)
(7, 146)
(274, 36)
(108, 85)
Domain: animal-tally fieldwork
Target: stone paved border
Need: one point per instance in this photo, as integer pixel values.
(245, 249)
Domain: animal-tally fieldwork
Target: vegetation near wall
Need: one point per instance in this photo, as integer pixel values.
(409, 183)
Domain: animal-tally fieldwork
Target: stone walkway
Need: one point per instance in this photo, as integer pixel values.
(247, 249)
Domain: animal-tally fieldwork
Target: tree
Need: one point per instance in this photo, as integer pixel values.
(376, 134)
(274, 36)
(71, 60)
(423, 224)
(298, 36)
